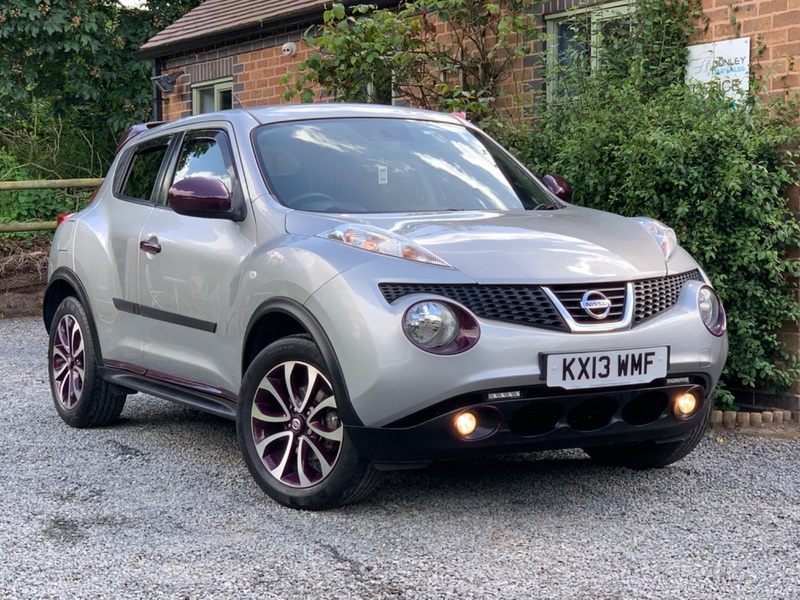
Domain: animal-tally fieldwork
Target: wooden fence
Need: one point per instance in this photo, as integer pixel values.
(42, 184)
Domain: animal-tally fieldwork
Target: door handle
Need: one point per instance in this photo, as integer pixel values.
(150, 246)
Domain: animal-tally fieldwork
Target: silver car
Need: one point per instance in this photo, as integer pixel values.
(365, 288)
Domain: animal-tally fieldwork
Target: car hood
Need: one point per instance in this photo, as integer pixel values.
(556, 246)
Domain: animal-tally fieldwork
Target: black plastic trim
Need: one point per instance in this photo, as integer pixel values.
(434, 439)
(69, 276)
(163, 315)
(315, 330)
(215, 405)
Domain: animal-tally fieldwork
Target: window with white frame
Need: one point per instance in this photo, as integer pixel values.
(212, 96)
(575, 39)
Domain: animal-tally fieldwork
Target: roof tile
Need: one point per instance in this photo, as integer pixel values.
(220, 16)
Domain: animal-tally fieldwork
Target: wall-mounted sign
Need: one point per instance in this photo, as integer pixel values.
(724, 65)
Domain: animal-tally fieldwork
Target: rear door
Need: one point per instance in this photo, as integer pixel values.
(134, 194)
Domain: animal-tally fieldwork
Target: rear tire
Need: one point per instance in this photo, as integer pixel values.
(650, 455)
(288, 426)
(81, 397)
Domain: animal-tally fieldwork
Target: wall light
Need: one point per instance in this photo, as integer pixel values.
(166, 82)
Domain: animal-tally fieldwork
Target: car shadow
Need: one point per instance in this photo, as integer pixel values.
(551, 480)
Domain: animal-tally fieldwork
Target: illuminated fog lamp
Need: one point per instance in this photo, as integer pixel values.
(685, 405)
(466, 423)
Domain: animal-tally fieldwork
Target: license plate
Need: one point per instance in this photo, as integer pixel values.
(601, 369)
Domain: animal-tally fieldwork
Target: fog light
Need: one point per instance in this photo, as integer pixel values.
(466, 423)
(685, 405)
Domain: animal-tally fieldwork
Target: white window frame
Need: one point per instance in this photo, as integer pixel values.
(597, 15)
(218, 85)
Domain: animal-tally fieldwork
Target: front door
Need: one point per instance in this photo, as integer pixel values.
(189, 274)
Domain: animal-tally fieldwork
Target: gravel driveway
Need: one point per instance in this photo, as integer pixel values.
(161, 506)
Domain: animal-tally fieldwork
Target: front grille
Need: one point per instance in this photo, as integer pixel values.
(570, 297)
(529, 305)
(521, 304)
(653, 296)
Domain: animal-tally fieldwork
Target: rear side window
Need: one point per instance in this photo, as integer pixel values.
(143, 170)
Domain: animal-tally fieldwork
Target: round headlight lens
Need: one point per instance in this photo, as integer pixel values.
(711, 311)
(431, 324)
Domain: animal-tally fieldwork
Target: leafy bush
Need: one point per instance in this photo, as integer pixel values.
(450, 55)
(29, 205)
(717, 173)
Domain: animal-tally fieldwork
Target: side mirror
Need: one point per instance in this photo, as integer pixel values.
(202, 197)
(559, 186)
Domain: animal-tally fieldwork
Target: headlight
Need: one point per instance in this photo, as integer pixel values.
(379, 241)
(711, 311)
(440, 328)
(664, 236)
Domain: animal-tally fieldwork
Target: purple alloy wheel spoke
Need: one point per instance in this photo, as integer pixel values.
(68, 366)
(295, 424)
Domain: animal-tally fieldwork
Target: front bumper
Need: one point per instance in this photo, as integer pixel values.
(389, 380)
(541, 419)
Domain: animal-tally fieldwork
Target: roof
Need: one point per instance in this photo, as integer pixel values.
(216, 21)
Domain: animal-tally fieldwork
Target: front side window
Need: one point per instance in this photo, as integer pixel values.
(391, 165)
(576, 40)
(212, 96)
(143, 169)
(205, 154)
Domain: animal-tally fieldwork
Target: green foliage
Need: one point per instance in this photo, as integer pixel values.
(637, 141)
(29, 205)
(369, 55)
(68, 77)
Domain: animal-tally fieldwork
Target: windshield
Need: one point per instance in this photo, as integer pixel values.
(368, 165)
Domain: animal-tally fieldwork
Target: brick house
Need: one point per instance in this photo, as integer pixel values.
(230, 53)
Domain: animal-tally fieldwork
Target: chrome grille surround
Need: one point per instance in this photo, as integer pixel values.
(567, 299)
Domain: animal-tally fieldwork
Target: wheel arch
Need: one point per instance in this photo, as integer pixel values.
(63, 284)
(279, 318)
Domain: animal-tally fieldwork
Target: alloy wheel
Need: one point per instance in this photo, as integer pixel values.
(295, 424)
(68, 362)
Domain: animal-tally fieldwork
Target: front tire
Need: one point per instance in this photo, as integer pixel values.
(288, 426)
(81, 397)
(650, 455)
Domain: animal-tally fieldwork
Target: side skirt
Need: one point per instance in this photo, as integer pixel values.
(174, 392)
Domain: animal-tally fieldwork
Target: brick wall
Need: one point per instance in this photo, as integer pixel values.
(773, 27)
(257, 65)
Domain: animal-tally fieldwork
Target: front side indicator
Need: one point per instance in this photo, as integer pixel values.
(439, 327)
(711, 311)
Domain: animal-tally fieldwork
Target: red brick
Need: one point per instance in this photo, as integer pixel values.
(792, 49)
(777, 36)
(756, 25)
(771, 6)
(790, 17)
